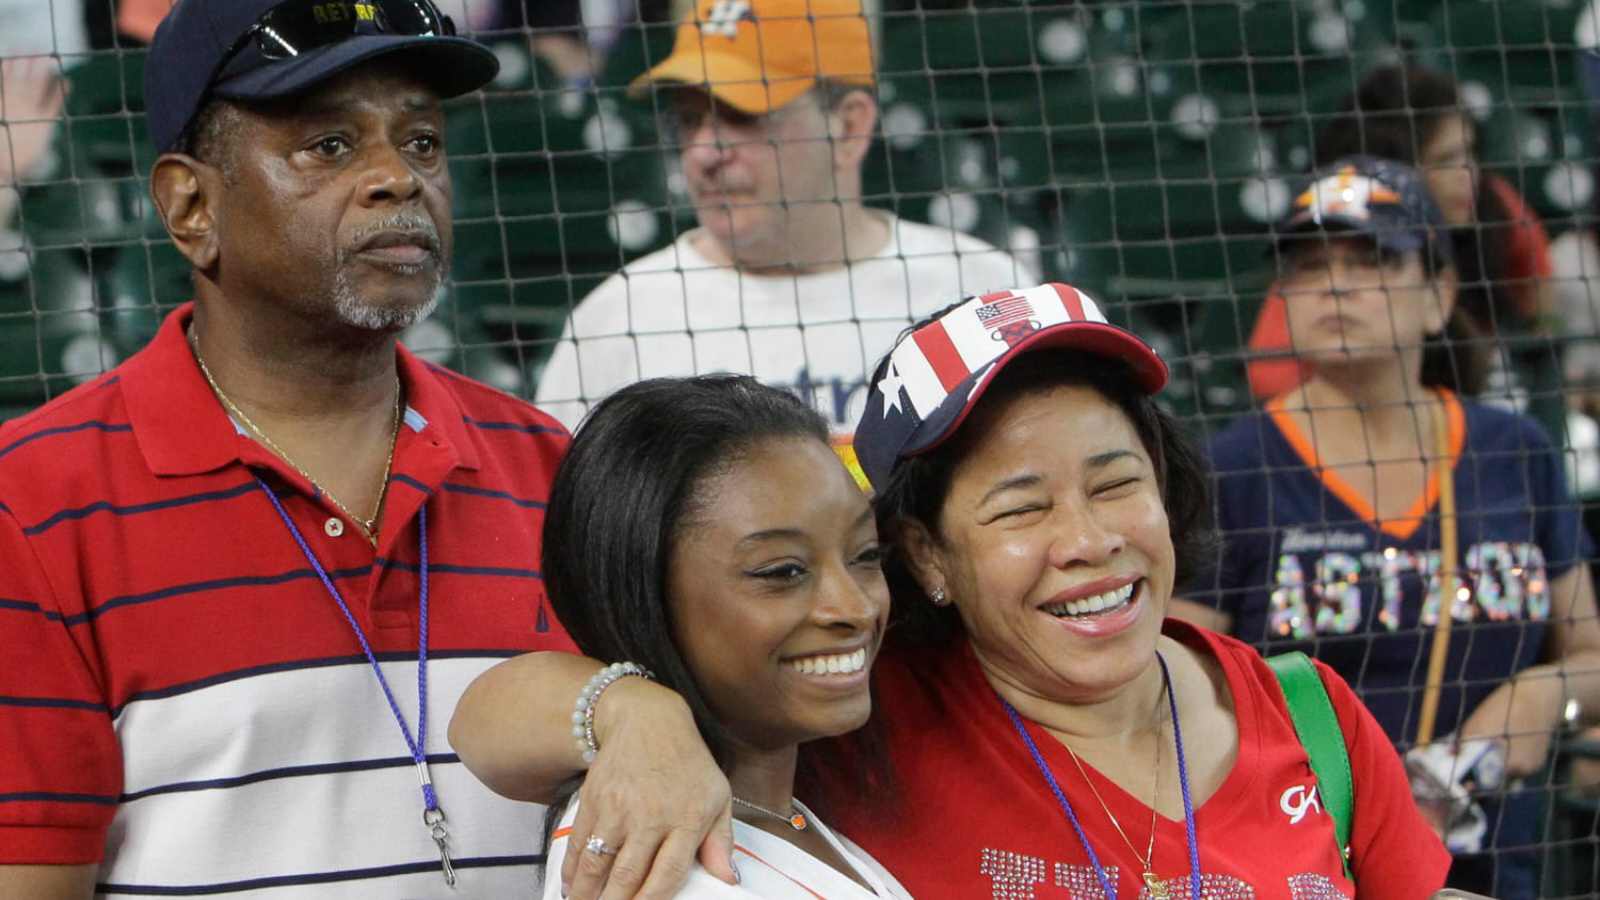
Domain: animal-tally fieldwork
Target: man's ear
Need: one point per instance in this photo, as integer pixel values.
(186, 192)
(923, 555)
(855, 120)
(1446, 288)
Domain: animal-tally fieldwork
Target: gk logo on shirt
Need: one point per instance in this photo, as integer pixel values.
(1299, 800)
(724, 18)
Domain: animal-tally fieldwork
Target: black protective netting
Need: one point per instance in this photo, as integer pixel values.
(1138, 150)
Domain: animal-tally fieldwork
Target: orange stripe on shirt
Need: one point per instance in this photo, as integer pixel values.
(739, 848)
(1401, 527)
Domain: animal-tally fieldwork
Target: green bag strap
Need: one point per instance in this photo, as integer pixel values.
(1318, 727)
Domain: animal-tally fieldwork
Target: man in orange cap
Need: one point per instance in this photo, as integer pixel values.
(788, 276)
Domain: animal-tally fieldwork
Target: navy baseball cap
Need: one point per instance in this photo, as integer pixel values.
(935, 375)
(1386, 200)
(254, 50)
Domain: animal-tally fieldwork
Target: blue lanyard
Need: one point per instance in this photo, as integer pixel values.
(1109, 889)
(432, 815)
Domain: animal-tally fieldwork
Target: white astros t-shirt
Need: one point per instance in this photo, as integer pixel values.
(675, 312)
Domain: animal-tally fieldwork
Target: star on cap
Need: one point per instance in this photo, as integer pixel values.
(890, 385)
(1347, 193)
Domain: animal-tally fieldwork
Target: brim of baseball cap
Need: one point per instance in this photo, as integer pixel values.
(1099, 339)
(732, 79)
(1400, 239)
(450, 65)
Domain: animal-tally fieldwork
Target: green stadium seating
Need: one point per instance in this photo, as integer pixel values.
(460, 343)
(1217, 356)
(52, 334)
(1162, 241)
(638, 47)
(546, 173)
(1275, 60)
(952, 160)
(94, 190)
(1548, 155)
(1521, 50)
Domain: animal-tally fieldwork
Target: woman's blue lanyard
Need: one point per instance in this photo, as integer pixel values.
(432, 815)
(1106, 886)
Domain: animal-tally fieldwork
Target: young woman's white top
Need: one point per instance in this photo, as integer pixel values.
(769, 868)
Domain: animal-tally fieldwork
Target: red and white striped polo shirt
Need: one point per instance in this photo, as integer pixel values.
(181, 699)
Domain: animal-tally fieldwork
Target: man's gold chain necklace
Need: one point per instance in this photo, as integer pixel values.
(368, 525)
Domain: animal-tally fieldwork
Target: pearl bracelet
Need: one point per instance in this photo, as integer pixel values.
(583, 712)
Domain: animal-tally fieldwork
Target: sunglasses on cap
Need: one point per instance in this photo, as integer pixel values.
(299, 26)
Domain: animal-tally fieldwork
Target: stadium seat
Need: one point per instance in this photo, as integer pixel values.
(1548, 155)
(637, 48)
(1275, 60)
(52, 335)
(969, 39)
(1401, 22)
(950, 160)
(94, 189)
(1217, 355)
(987, 65)
(447, 339)
(1521, 50)
(91, 196)
(1163, 242)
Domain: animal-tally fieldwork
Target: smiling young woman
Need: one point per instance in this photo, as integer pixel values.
(702, 529)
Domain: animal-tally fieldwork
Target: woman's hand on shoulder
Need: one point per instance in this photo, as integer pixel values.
(655, 794)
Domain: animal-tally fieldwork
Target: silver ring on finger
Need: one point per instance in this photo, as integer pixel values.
(598, 846)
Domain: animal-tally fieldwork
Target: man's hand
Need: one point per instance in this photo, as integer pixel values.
(655, 794)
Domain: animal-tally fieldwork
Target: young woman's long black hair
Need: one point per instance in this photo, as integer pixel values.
(633, 474)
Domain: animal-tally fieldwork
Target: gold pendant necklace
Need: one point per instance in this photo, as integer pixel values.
(369, 525)
(1152, 881)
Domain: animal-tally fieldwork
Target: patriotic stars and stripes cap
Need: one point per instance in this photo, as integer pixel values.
(937, 372)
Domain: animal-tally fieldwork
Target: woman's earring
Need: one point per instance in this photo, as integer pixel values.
(938, 597)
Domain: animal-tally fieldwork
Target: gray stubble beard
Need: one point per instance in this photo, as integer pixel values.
(354, 311)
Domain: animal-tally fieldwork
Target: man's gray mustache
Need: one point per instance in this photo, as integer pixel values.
(410, 223)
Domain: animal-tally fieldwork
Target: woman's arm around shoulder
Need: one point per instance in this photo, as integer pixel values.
(47, 882)
(1394, 852)
(653, 790)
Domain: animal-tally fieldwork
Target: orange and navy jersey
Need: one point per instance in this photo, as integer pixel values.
(1306, 565)
(182, 701)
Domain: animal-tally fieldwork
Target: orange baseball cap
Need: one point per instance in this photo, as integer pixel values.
(761, 55)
